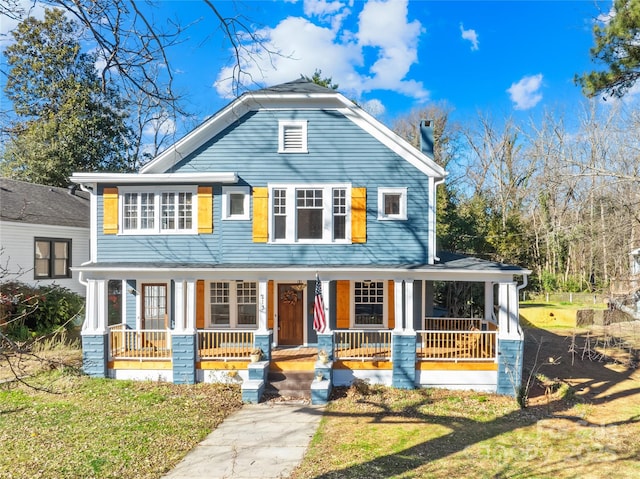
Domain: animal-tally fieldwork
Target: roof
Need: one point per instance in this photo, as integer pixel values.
(24, 202)
(302, 94)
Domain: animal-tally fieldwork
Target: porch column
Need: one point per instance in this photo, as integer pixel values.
(262, 306)
(510, 341)
(408, 306)
(95, 338)
(183, 337)
(488, 300)
(398, 304)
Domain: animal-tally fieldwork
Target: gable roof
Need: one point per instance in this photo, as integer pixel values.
(24, 202)
(299, 93)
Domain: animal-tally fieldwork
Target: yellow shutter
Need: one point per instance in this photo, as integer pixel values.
(343, 304)
(392, 307)
(200, 304)
(110, 211)
(270, 304)
(260, 215)
(205, 209)
(358, 215)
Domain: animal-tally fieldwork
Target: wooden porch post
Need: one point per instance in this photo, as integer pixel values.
(96, 309)
(408, 306)
(508, 311)
(488, 300)
(326, 299)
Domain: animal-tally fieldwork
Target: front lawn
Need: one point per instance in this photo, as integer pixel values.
(98, 428)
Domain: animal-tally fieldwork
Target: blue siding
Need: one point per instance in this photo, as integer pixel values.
(339, 151)
(94, 355)
(404, 361)
(183, 348)
(510, 352)
(130, 298)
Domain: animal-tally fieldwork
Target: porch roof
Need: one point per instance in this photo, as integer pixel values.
(448, 264)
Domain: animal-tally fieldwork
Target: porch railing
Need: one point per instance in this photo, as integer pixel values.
(457, 324)
(362, 345)
(138, 344)
(216, 344)
(456, 345)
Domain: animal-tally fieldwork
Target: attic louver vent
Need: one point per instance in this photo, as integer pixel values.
(293, 137)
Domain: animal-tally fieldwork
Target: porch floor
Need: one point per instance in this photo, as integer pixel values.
(293, 359)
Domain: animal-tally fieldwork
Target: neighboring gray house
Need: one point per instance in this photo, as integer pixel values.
(44, 232)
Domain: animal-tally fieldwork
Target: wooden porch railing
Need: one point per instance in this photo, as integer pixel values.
(456, 345)
(362, 345)
(217, 344)
(127, 343)
(457, 324)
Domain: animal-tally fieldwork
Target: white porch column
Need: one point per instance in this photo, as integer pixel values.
(408, 306)
(508, 311)
(262, 306)
(96, 307)
(326, 299)
(488, 300)
(184, 301)
(398, 305)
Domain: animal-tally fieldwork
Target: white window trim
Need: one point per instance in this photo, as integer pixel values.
(233, 306)
(227, 191)
(385, 307)
(382, 191)
(327, 198)
(282, 126)
(157, 191)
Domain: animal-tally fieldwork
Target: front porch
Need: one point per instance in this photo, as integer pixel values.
(462, 352)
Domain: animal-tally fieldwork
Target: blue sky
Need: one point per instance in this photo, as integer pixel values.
(503, 58)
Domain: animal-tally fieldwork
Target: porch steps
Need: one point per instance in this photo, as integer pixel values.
(289, 384)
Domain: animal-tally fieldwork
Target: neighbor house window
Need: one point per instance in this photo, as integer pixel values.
(169, 211)
(233, 304)
(319, 214)
(52, 258)
(235, 203)
(292, 137)
(369, 303)
(392, 203)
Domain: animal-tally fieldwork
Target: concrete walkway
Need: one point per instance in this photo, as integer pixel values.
(265, 440)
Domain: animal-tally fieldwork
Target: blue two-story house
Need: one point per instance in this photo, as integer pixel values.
(214, 248)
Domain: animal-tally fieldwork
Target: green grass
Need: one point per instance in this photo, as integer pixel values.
(445, 434)
(93, 428)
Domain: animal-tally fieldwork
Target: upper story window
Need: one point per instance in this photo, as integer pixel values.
(52, 258)
(235, 203)
(292, 136)
(158, 211)
(310, 213)
(392, 203)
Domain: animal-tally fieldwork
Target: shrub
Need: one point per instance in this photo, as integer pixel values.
(33, 311)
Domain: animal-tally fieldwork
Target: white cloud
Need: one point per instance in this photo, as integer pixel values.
(382, 30)
(526, 93)
(470, 35)
(27, 8)
(163, 126)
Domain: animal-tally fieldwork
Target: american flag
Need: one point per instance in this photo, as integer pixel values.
(319, 318)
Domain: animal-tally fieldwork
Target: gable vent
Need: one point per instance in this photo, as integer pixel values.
(293, 136)
(293, 139)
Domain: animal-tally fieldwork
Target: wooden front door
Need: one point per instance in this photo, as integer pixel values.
(290, 315)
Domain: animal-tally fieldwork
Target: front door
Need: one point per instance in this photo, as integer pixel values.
(290, 315)
(154, 306)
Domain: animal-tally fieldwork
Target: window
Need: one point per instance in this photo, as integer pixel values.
(146, 212)
(320, 214)
(114, 303)
(235, 203)
(369, 303)
(392, 203)
(52, 258)
(292, 137)
(233, 304)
